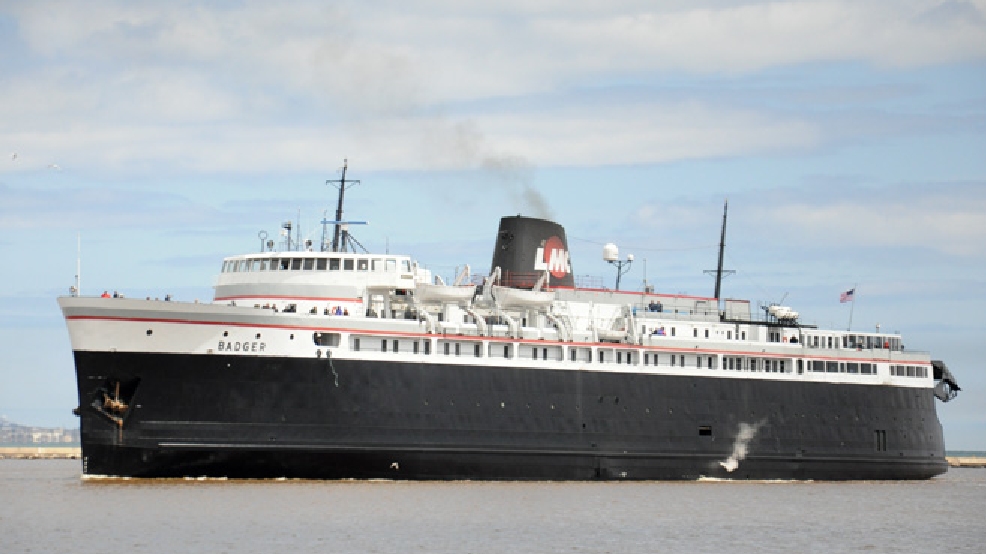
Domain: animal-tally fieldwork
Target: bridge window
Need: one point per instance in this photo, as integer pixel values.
(391, 266)
(362, 264)
(321, 265)
(334, 264)
(309, 264)
(348, 264)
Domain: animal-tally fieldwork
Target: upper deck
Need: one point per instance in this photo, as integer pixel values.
(313, 275)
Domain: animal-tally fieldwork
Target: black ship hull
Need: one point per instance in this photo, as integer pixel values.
(272, 417)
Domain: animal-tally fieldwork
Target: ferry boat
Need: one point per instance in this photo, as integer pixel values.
(323, 362)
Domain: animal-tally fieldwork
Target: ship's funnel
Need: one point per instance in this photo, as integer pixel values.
(526, 247)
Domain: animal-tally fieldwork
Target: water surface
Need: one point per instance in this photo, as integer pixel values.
(46, 507)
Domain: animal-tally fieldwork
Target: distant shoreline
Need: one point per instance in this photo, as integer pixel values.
(40, 452)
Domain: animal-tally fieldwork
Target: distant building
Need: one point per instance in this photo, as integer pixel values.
(13, 433)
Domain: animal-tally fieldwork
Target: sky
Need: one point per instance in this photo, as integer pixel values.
(848, 137)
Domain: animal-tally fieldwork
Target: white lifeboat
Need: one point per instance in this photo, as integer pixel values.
(443, 294)
(783, 312)
(522, 298)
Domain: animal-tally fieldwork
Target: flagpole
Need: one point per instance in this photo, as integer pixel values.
(852, 306)
(78, 264)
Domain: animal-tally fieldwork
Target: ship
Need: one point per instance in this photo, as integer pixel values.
(327, 362)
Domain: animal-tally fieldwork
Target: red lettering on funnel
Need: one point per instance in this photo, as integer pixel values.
(554, 258)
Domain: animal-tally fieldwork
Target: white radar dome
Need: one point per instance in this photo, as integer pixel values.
(610, 252)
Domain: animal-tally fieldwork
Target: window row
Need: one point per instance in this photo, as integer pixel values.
(388, 265)
(680, 360)
(767, 365)
(841, 367)
(854, 342)
(608, 356)
(368, 344)
(909, 370)
(662, 331)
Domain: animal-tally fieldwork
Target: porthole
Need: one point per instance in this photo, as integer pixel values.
(150, 332)
(292, 336)
(225, 333)
(258, 336)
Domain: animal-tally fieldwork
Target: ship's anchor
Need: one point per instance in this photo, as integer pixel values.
(113, 407)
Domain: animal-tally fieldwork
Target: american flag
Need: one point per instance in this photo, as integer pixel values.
(847, 296)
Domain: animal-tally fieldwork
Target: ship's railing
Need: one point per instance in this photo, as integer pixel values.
(643, 312)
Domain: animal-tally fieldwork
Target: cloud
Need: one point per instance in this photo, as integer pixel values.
(130, 86)
(865, 223)
(945, 218)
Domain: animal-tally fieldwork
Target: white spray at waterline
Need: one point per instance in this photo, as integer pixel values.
(740, 446)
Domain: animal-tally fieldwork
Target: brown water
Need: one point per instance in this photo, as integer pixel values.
(45, 507)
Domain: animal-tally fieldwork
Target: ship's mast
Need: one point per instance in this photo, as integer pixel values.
(342, 195)
(722, 249)
(341, 238)
(341, 183)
